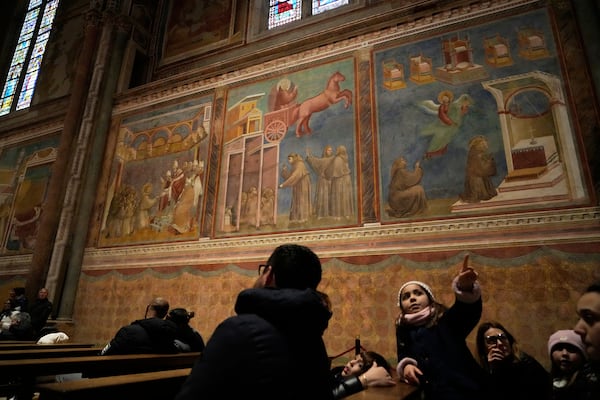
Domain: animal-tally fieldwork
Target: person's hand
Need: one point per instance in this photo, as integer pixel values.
(412, 374)
(378, 376)
(417, 164)
(466, 276)
(495, 354)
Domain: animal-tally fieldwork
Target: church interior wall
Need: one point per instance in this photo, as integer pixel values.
(534, 253)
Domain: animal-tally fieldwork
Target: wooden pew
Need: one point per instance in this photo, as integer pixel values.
(43, 352)
(159, 385)
(16, 341)
(164, 385)
(33, 345)
(25, 371)
(402, 391)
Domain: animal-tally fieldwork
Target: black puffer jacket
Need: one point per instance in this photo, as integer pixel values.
(273, 349)
(150, 335)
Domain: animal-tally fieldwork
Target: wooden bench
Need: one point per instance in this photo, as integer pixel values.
(159, 385)
(164, 385)
(44, 352)
(16, 341)
(25, 371)
(33, 345)
(402, 391)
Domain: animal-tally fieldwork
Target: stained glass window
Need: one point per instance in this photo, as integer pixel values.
(28, 55)
(318, 6)
(284, 12)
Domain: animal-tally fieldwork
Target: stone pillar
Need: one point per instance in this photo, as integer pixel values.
(51, 209)
(95, 145)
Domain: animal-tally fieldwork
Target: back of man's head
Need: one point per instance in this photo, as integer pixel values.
(295, 266)
(160, 307)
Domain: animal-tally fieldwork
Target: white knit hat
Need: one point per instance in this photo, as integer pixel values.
(423, 285)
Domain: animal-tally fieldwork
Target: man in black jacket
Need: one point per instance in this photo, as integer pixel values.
(273, 348)
(40, 310)
(153, 334)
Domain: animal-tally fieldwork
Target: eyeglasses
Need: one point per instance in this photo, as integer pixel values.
(493, 339)
(261, 269)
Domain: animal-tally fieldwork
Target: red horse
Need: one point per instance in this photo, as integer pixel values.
(331, 95)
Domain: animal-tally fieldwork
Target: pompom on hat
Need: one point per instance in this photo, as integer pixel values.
(425, 287)
(566, 336)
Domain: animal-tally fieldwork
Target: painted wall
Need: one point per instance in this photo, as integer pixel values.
(531, 290)
(533, 258)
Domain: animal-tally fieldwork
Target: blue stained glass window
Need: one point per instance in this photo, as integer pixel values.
(36, 29)
(284, 12)
(10, 87)
(34, 3)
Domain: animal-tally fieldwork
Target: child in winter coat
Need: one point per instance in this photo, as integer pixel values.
(431, 346)
(567, 353)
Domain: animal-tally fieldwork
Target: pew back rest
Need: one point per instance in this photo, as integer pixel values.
(161, 385)
(49, 353)
(96, 365)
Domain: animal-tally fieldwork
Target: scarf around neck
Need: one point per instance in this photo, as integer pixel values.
(418, 318)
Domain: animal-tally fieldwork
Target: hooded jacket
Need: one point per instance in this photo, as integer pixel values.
(273, 349)
(150, 335)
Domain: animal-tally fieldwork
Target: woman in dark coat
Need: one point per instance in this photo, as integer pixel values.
(511, 373)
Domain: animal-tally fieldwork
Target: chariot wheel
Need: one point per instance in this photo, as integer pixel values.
(275, 131)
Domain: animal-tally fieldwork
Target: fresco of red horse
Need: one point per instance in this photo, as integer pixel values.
(331, 95)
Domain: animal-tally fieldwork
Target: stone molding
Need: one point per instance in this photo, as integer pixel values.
(527, 229)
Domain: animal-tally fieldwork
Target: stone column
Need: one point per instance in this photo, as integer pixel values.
(95, 145)
(51, 209)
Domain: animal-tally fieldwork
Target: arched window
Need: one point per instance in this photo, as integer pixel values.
(283, 12)
(27, 57)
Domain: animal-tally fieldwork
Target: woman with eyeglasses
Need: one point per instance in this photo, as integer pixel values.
(431, 346)
(512, 373)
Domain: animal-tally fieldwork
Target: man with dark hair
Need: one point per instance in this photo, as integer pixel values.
(273, 348)
(153, 334)
(588, 327)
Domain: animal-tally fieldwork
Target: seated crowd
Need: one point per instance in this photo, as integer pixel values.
(160, 331)
(21, 320)
(273, 347)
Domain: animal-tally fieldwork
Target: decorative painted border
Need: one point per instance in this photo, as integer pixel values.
(528, 229)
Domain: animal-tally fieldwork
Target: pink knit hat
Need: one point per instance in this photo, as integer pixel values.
(425, 287)
(566, 336)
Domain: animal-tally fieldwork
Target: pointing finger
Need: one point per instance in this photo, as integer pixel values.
(465, 265)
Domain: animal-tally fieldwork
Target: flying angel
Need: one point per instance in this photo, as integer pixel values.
(450, 116)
